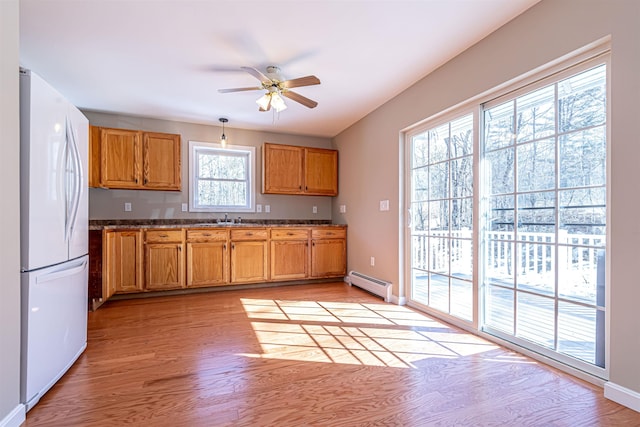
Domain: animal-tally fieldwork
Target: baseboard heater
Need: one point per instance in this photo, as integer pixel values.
(370, 284)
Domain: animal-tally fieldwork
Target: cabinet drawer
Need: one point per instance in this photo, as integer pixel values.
(249, 234)
(289, 233)
(163, 236)
(206, 235)
(329, 233)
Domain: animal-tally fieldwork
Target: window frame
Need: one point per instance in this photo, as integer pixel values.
(197, 147)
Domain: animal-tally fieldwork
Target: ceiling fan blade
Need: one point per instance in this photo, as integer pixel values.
(239, 89)
(301, 81)
(257, 74)
(299, 98)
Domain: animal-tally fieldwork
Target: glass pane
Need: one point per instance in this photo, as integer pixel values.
(461, 137)
(462, 216)
(439, 292)
(498, 126)
(439, 218)
(498, 309)
(583, 158)
(462, 299)
(536, 114)
(535, 319)
(439, 255)
(536, 216)
(500, 171)
(581, 272)
(222, 193)
(439, 144)
(501, 216)
(439, 181)
(584, 212)
(499, 260)
(420, 184)
(420, 144)
(420, 286)
(537, 165)
(461, 258)
(582, 100)
(420, 216)
(420, 251)
(536, 268)
(217, 166)
(462, 177)
(577, 330)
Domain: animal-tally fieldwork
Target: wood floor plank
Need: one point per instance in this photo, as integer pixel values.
(317, 355)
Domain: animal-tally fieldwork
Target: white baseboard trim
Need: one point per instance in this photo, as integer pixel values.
(622, 395)
(398, 300)
(14, 418)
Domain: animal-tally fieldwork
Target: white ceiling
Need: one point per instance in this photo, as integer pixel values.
(167, 58)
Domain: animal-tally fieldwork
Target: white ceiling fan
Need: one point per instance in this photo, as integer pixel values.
(276, 87)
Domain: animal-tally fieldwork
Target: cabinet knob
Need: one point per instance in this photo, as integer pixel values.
(224, 247)
(163, 235)
(233, 246)
(206, 234)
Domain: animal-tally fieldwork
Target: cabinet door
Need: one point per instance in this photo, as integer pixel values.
(123, 262)
(328, 257)
(121, 157)
(109, 264)
(282, 169)
(164, 264)
(249, 261)
(207, 264)
(321, 172)
(289, 259)
(129, 255)
(161, 161)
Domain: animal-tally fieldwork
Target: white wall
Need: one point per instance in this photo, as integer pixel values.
(108, 204)
(546, 32)
(11, 412)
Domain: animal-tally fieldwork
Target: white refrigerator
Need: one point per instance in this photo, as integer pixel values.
(54, 143)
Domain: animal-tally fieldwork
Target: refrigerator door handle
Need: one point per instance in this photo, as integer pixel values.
(63, 273)
(76, 180)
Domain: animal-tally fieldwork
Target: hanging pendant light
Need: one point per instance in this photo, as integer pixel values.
(223, 138)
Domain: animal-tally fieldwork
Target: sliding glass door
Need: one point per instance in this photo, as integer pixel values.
(441, 205)
(545, 219)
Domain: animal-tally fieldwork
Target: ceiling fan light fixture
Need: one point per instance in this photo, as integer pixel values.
(264, 101)
(223, 138)
(277, 102)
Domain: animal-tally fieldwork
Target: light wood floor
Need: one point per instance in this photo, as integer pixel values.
(321, 355)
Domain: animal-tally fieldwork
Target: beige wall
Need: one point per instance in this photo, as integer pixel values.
(109, 204)
(548, 31)
(10, 409)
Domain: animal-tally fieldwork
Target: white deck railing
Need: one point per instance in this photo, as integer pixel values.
(577, 258)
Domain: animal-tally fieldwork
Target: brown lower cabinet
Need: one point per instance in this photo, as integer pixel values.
(166, 259)
(249, 255)
(207, 258)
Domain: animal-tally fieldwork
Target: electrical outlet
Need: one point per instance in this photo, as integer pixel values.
(127, 207)
(384, 205)
(258, 208)
(373, 261)
(267, 208)
(315, 209)
(343, 208)
(185, 207)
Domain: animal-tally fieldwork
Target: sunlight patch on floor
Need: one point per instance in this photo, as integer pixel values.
(354, 333)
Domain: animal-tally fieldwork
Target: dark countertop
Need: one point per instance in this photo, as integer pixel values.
(100, 224)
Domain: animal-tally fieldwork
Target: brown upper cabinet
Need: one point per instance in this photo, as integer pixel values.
(289, 169)
(132, 159)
